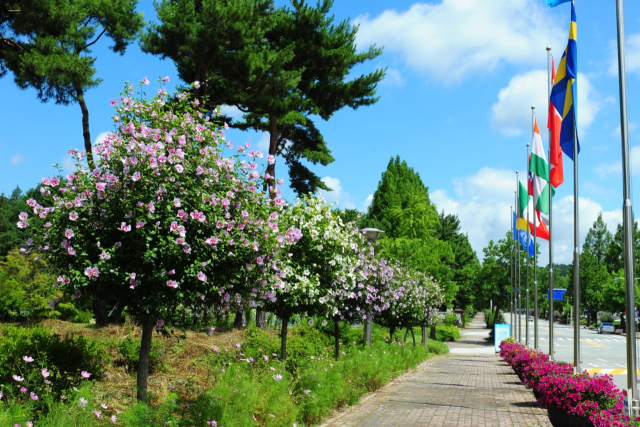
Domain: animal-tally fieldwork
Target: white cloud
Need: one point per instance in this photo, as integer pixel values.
(101, 137)
(482, 202)
(454, 39)
(604, 169)
(393, 77)
(511, 114)
(68, 164)
(263, 142)
(617, 131)
(343, 198)
(231, 111)
(632, 55)
(367, 202)
(16, 158)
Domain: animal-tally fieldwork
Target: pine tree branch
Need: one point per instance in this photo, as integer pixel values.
(11, 42)
(97, 38)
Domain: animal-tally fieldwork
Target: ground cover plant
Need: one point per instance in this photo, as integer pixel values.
(234, 378)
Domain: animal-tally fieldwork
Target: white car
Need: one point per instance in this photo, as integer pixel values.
(606, 327)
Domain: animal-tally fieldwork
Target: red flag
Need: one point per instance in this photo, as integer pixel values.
(542, 232)
(554, 124)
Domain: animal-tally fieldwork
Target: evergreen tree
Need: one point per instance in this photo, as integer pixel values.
(399, 187)
(278, 66)
(10, 207)
(465, 265)
(614, 257)
(598, 240)
(495, 274)
(45, 44)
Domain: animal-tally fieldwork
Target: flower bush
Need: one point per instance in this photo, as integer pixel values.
(172, 224)
(166, 223)
(582, 395)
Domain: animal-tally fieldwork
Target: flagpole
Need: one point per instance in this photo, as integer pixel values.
(535, 254)
(632, 378)
(519, 274)
(511, 265)
(576, 257)
(550, 226)
(526, 319)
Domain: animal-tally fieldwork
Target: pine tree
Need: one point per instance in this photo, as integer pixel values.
(278, 66)
(45, 44)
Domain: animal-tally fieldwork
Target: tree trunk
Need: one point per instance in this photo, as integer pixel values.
(392, 329)
(623, 324)
(261, 318)
(413, 337)
(405, 334)
(116, 313)
(238, 323)
(283, 336)
(336, 333)
(432, 334)
(143, 363)
(85, 125)
(424, 336)
(273, 149)
(100, 311)
(589, 320)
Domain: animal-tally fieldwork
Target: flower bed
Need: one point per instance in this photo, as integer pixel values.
(591, 400)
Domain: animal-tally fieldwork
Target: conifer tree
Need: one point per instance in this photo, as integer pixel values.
(397, 187)
(45, 44)
(277, 65)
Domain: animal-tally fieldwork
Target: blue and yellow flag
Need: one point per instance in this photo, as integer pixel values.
(564, 95)
(520, 234)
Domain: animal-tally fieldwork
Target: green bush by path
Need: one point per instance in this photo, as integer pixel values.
(245, 385)
(45, 361)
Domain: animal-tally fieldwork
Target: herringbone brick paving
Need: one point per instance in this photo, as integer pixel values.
(465, 390)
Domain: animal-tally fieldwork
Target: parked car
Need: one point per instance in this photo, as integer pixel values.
(606, 327)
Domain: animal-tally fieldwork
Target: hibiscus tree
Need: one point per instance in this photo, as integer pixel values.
(166, 224)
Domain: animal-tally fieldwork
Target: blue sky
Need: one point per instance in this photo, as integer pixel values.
(462, 77)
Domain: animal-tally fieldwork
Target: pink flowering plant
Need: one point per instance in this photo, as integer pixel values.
(582, 395)
(413, 298)
(371, 296)
(166, 223)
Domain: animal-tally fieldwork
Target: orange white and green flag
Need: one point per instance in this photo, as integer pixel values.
(540, 172)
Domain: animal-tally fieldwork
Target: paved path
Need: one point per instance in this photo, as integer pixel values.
(465, 390)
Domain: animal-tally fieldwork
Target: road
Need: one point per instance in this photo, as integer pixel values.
(605, 354)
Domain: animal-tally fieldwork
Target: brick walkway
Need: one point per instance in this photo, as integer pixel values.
(465, 390)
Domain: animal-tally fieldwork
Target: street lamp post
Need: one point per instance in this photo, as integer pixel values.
(371, 234)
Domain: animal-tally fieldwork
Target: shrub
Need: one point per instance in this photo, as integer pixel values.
(26, 287)
(129, 350)
(46, 362)
(450, 318)
(607, 317)
(446, 333)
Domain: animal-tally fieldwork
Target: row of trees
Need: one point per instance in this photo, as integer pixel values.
(179, 232)
(602, 286)
(279, 66)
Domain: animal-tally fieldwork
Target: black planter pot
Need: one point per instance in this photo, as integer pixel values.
(559, 418)
(537, 394)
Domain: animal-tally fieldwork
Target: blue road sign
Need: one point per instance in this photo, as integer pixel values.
(500, 333)
(558, 294)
